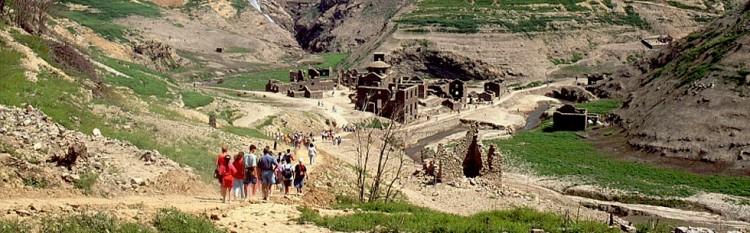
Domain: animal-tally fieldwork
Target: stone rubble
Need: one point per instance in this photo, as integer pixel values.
(36, 153)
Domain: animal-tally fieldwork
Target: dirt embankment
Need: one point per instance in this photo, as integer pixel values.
(690, 100)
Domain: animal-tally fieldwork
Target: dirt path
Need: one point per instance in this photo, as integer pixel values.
(276, 215)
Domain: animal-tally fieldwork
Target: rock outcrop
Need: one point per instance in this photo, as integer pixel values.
(423, 62)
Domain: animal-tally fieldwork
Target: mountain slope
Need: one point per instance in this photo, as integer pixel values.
(694, 99)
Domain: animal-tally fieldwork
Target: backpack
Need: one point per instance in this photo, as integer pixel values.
(287, 173)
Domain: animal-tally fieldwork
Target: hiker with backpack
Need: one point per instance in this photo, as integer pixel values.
(287, 174)
(288, 156)
(251, 176)
(226, 173)
(299, 176)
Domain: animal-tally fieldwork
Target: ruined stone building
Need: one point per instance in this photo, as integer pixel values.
(457, 90)
(495, 88)
(420, 83)
(570, 118)
(439, 89)
(380, 93)
(300, 86)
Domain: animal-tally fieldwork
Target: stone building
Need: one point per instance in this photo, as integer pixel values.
(457, 90)
(496, 87)
(300, 86)
(486, 96)
(378, 92)
(570, 118)
(452, 104)
(440, 89)
(418, 82)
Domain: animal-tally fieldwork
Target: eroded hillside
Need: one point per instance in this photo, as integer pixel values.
(692, 101)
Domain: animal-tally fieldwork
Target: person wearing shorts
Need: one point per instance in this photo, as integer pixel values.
(267, 165)
(226, 172)
(251, 173)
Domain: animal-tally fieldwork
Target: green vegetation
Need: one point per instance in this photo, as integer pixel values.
(36, 44)
(193, 99)
(87, 181)
(35, 182)
(630, 18)
(700, 58)
(518, 86)
(91, 224)
(174, 221)
(268, 121)
(653, 228)
(257, 81)
(12, 227)
(374, 123)
(564, 154)
(240, 5)
(238, 50)
(57, 98)
(601, 106)
(575, 57)
(101, 17)
(245, 132)
(143, 81)
(403, 217)
(166, 221)
(519, 16)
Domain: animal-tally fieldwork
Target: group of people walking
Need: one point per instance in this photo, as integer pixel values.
(245, 171)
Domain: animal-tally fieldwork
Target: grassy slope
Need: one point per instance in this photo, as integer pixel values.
(256, 81)
(518, 16)
(60, 100)
(194, 99)
(101, 21)
(402, 217)
(564, 154)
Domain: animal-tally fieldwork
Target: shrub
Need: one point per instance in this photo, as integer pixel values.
(12, 227)
(174, 221)
(87, 181)
(99, 222)
(31, 15)
(71, 59)
(404, 217)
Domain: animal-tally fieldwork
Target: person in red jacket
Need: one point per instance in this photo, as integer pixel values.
(226, 172)
(237, 187)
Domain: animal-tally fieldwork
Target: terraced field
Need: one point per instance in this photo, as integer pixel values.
(520, 16)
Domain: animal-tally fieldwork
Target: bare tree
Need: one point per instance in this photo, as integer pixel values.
(31, 15)
(380, 185)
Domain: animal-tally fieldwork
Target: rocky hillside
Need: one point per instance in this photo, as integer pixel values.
(693, 98)
(341, 25)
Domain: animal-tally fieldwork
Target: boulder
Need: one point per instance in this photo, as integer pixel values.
(97, 133)
(138, 181)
